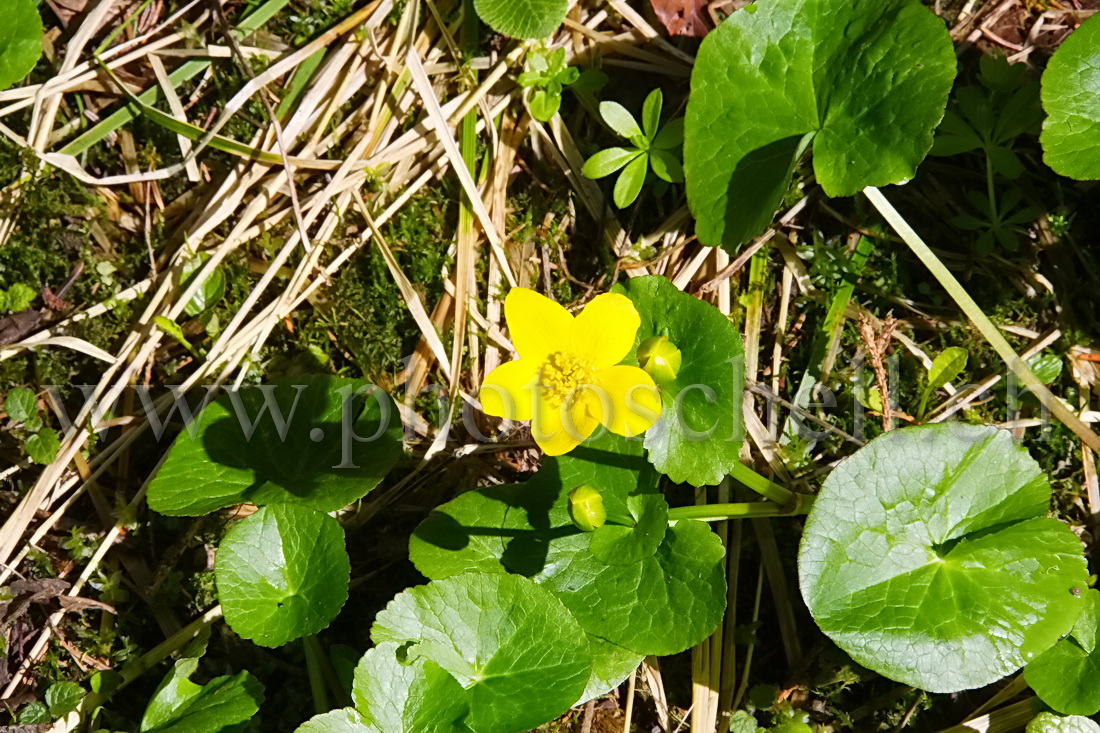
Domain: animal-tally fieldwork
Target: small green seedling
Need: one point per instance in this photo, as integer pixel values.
(40, 441)
(546, 74)
(651, 147)
(989, 117)
(946, 367)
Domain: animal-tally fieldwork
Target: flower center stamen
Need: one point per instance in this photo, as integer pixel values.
(562, 374)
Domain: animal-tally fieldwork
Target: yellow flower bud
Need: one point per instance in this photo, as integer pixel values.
(586, 508)
(660, 358)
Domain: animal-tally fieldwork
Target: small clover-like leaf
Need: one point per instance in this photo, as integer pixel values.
(929, 558)
(282, 573)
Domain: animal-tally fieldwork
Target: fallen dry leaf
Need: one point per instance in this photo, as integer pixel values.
(683, 17)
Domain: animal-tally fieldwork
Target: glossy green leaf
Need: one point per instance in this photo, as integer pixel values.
(522, 18)
(63, 697)
(20, 40)
(181, 706)
(666, 166)
(1071, 98)
(651, 113)
(21, 404)
(611, 664)
(397, 691)
(1051, 723)
(1045, 365)
(621, 545)
(866, 80)
(282, 573)
(629, 183)
(663, 604)
(544, 105)
(344, 720)
(516, 650)
(315, 440)
(620, 120)
(209, 293)
(945, 367)
(698, 438)
(606, 162)
(42, 447)
(929, 558)
(1067, 676)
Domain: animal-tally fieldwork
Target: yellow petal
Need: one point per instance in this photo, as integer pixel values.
(603, 333)
(510, 390)
(538, 325)
(629, 402)
(558, 430)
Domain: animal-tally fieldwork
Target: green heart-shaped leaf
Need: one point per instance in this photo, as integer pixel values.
(516, 650)
(928, 557)
(282, 573)
(1067, 676)
(867, 80)
(181, 706)
(1071, 98)
(663, 604)
(398, 694)
(20, 40)
(522, 18)
(698, 438)
(312, 440)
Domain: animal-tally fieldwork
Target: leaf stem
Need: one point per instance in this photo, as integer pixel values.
(763, 486)
(314, 654)
(743, 510)
(974, 312)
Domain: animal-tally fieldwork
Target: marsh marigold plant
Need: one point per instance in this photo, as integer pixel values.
(568, 380)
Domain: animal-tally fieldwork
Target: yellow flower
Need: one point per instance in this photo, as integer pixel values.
(567, 379)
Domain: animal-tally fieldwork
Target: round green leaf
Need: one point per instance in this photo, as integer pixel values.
(516, 650)
(522, 18)
(1067, 676)
(1071, 98)
(398, 694)
(611, 664)
(20, 40)
(282, 573)
(344, 720)
(662, 604)
(315, 440)
(42, 447)
(928, 558)
(866, 80)
(544, 105)
(698, 438)
(1051, 723)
